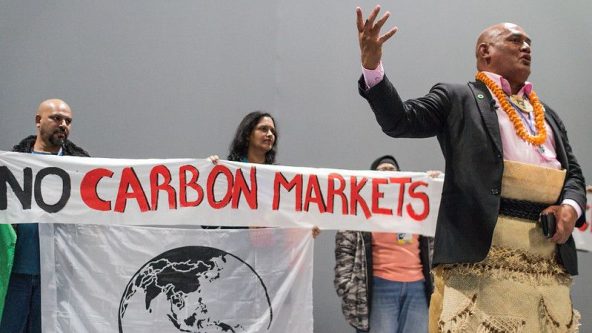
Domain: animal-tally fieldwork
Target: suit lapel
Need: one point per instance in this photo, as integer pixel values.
(486, 106)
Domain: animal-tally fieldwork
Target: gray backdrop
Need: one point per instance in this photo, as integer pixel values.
(173, 78)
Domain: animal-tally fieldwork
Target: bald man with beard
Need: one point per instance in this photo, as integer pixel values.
(22, 309)
(508, 160)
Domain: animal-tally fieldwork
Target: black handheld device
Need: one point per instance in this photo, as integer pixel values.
(548, 224)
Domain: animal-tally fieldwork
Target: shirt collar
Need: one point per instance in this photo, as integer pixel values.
(59, 153)
(499, 80)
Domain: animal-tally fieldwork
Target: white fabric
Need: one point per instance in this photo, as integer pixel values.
(125, 191)
(583, 235)
(98, 279)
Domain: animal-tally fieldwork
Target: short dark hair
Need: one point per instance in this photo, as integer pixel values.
(240, 144)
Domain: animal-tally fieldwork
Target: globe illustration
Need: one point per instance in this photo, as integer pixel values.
(195, 289)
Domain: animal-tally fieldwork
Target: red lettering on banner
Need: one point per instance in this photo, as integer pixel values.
(401, 181)
(240, 186)
(183, 184)
(332, 191)
(216, 171)
(88, 189)
(155, 187)
(234, 187)
(280, 180)
(421, 196)
(130, 179)
(355, 197)
(377, 195)
(313, 186)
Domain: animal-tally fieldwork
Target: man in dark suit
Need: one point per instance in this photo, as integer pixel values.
(493, 131)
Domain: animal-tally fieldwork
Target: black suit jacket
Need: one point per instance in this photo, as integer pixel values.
(463, 118)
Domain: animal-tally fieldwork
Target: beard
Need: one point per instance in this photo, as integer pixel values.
(56, 140)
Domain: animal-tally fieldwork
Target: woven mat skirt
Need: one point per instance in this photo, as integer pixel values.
(519, 286)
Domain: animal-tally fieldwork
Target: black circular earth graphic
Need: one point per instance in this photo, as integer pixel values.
(195, 289)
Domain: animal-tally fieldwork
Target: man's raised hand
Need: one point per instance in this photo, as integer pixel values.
(369, 36)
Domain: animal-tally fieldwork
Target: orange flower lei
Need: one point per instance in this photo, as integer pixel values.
(539, 112)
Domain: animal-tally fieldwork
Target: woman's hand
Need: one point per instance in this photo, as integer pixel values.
(214, 159)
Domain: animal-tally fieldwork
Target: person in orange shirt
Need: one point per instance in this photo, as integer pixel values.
(383, 279)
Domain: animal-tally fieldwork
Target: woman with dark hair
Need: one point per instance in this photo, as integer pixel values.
(255, 140)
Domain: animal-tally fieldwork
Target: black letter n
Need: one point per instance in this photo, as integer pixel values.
(22, 193)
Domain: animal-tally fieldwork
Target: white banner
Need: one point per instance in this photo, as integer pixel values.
(51, 189)
(149, 279)
(583, 235)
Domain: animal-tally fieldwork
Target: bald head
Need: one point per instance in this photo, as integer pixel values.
(50, 105)
(489, 35)
(504, 49)
(53, 121)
